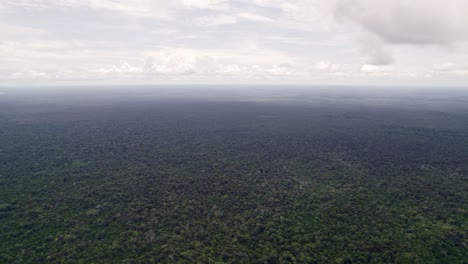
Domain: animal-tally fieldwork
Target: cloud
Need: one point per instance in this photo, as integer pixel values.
(327, 69)
(248, 62)
(223, 19)
(218, 63)
(417, 22)
(16, 31)
(376, 71)
(444, 66)
(307, 15)
(29, 75)
(135, 8)
(215, 20)
(283, 70)
(449, 68)
(288, 40)
(196, 66)
(374, 51)
(255, 17)
(169, 64)
(327, 66)
(245, 39)
(220, 5)
(462, 72)
(387, 23)
(139, 8)
(123, 67)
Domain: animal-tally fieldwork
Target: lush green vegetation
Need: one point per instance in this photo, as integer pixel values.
(176, 182)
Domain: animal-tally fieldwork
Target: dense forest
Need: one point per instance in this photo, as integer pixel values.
(233, 181)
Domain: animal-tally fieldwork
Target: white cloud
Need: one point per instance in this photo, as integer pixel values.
(444, 66)
(223, 19)
(374, 70)
(248, 62)
(288, 40)
(16, 31)
(463, 72)
(218, 62)
(123, 67)
(255, 17)
(207, 4)
(28, 75)
(128, 7)
(170, 64)
(246, 39)
(137, 8)
(327, 66)
(215, 20)
(196, 66)
(307, 15)
(449, 68)
(283, 70)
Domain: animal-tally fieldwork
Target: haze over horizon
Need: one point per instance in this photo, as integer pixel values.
(338, 42)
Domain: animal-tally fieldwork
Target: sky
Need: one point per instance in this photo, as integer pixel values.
(312, 42)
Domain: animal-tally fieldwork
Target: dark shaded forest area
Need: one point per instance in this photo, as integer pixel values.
(178, 181)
